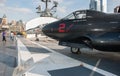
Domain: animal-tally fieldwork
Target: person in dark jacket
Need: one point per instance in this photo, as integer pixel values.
(4, 36)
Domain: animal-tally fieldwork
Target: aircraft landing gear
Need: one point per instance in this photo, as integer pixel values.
(75, 50)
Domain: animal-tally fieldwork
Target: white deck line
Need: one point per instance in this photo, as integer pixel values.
(98, 70)
(25, 59)
(26, 55)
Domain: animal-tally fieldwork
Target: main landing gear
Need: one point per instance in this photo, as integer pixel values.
(75, 50)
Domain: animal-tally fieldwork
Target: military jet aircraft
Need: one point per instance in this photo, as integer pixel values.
(87, 28)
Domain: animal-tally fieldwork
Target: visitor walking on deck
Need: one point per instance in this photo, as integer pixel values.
(12, 36)
(4, 36)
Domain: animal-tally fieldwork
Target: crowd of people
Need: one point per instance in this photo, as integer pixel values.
(11, 35)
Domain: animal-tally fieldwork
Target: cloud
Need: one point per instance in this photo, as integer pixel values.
(20, 10)
(6, 9)
(2, 4)
(60, 1)
(62, 9)
(2, 1)
(36, 2)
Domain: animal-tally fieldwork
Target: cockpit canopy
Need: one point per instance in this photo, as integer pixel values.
(76, 15)
(91, 15)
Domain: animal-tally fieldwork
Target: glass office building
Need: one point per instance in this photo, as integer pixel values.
(98, 5)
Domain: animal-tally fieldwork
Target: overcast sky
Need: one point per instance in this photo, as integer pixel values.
(25, 9)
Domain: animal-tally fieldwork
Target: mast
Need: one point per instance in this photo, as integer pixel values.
(48, 12)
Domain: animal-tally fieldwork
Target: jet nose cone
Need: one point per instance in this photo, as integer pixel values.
(44, 29)
(50, 30)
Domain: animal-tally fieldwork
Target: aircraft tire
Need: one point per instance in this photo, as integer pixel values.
(75, 50)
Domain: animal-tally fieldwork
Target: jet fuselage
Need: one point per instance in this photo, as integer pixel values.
(95, 29)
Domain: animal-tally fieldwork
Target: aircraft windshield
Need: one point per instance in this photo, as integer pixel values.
(80, 15)
(76, 15)
(70, 16)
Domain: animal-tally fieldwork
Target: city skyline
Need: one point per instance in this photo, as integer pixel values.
(25, 9)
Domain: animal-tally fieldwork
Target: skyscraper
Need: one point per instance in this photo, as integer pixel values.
(98, 5)
(93, 5)
(104, 5)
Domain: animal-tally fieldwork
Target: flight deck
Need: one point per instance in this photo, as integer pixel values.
(51, 59)
(8, 57)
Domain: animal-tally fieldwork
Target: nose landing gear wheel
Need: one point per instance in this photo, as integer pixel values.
(75, 50)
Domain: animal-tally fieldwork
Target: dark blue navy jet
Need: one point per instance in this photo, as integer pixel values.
(87, 28)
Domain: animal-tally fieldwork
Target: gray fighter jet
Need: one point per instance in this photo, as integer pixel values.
(87, 28)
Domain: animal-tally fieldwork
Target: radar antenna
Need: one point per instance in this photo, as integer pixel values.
(48, 12)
